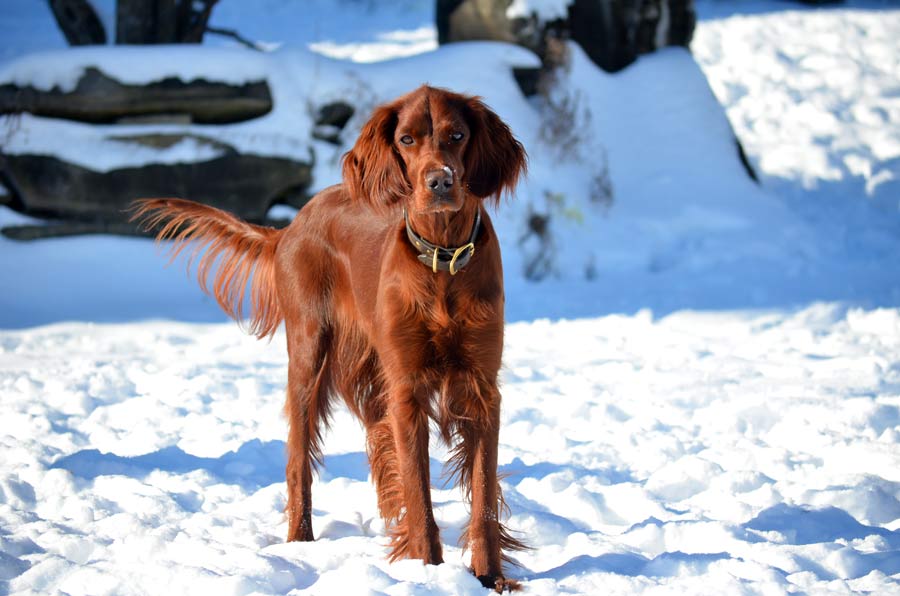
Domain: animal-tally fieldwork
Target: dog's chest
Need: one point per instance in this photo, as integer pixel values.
(458, 329)
(448, 346)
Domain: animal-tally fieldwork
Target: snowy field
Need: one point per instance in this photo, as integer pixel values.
(706, 453)
(702, 397)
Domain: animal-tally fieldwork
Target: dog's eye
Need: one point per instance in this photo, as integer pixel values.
(457, 136)
(406, 140)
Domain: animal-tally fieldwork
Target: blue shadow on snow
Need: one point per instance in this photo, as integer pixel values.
(254, 465)
(802, 525)
(633, 565)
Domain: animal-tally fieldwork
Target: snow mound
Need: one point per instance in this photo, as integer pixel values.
(813, 96)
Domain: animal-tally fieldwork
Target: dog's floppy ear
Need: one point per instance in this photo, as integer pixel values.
(373, 171)
(494, 158)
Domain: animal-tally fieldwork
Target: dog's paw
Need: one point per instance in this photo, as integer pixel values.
(499, 584)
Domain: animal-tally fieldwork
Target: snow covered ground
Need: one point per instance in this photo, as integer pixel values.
(724, 452)
(702, 397)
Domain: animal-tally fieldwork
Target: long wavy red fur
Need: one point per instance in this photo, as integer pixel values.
(237, 256)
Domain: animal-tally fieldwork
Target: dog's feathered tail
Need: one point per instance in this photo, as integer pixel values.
(239, 253)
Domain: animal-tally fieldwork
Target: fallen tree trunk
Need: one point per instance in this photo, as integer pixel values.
(99, 98)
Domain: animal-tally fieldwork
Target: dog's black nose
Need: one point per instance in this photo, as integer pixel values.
(439, 181)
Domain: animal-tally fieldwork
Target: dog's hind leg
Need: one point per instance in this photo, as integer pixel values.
(307, 409)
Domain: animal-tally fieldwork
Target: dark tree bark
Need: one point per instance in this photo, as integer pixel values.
(167, 18)
(78, 22)
(162, 21)
(135, 21)
(139, 22)
(606, 31)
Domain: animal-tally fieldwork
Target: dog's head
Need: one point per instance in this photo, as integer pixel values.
(432, 148)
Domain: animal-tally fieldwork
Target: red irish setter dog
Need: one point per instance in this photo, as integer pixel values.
(390, 287)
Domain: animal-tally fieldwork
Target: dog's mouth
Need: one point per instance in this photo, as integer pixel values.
(442, 205)
(438, 203)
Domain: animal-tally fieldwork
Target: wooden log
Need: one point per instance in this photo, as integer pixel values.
(99, 98)
(247, 185)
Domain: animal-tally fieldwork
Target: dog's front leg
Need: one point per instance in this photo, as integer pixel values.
(484, 526)
(474, 416)
(416, 534)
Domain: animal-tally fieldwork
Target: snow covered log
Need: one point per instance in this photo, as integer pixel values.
(100, 98)
(612, 32)
(247, 185)
(95, 128)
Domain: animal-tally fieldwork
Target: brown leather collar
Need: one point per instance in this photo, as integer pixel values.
(438, 258)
